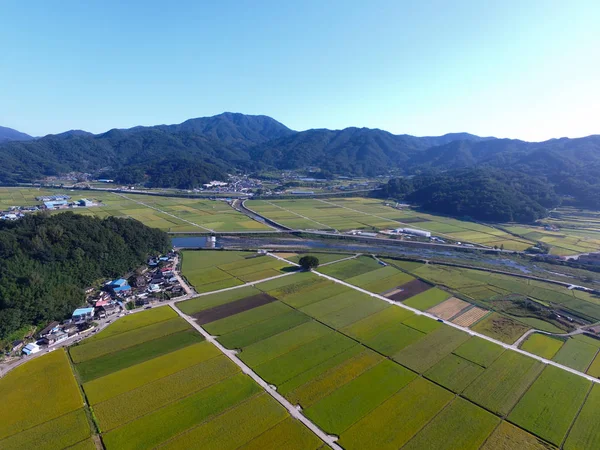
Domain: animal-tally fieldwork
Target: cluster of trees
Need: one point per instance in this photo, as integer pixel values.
(48, 261)
(481, 194)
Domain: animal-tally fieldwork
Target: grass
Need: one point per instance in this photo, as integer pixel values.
(454, 373)
(398, 419)
(427, 299)
(131, 378)
(542, 345)
(576, 354)
(479, 351)
(509, 437)
(538, 410)
(312, 389)
(352, 401)
(113, 362)
(501, 328)
(586, 432)
(36, 392)
(163, 424)
(61, 432)
(313, 353)
(251, 334)
(86, 351)
(461, 425)
(422, 355)
(243, 423)
(500, 387)
(161, 392)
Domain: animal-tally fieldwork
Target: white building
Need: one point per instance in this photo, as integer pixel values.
(30, 349)
(413, 231)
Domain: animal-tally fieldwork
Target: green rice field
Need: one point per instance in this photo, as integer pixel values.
(186, 393)
(167, 213)
(345, 214)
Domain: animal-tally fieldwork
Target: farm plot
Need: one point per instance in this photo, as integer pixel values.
(423, 354)
(449, 308)
(213, 270)
(585, 432)
(501, 328)
(428, 299)
(133, 377)
(211, 214)
(199, 304)
(133, 321)
(97, 348)
(576, 354)
(538, 410)
(232, 308)
(371, 326)
(375, 277)
(166, 400)
(303, 358)
(339, 410)
(407, 290)
(503, 382)
(542, 345)
(479, 351)
(509, 437)
(397, 420)
(310, 387)
(454, 373)
(42, 405)
(470, 317)
(391, 340)
(350, 268)
(118, 360)
(460, 425)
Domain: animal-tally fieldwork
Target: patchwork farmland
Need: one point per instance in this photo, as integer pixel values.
(380, 376)
(167, 213)
(355, 363)
(345, 214)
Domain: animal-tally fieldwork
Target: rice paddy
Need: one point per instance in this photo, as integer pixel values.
(372, 373)
(344, 214)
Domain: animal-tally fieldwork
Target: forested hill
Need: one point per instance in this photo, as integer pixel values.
(486, 195)
(47, 261)
(191, 153)
(8, 134)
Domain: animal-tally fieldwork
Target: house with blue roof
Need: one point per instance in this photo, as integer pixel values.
(83, 314)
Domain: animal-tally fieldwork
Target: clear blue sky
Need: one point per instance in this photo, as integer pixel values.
(520, 69)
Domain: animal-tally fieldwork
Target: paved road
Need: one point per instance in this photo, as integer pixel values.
(329, 440)
(466, 330)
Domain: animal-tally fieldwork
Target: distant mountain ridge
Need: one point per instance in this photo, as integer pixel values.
(229, 142)
(8, 134)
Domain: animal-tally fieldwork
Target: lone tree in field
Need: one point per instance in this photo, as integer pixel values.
(309, 262)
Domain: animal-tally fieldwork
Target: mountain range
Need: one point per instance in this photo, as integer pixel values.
(213, 146)
(8, 134)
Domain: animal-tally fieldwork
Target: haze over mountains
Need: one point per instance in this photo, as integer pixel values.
(210, 147)
(8, 134)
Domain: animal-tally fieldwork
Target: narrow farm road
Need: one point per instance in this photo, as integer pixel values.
(329, 440)
(466, 330)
